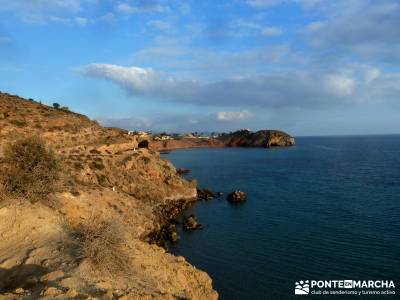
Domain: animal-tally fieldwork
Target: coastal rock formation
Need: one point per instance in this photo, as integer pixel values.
(185, 143)
(104, 179)
(182, 171)
(205, 194)
(191, 223)
(262, 138)
(237, 197)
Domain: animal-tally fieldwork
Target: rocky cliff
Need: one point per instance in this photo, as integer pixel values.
(48, 247)
(186, 143)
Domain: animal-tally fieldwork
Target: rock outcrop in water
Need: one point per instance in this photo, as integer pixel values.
(191, 223)
(237, 197)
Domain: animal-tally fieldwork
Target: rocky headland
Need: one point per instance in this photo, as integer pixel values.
(241, 138)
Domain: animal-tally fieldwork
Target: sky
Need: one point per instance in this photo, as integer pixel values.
(309, 67)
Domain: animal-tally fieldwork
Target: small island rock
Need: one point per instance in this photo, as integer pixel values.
(191, 223)
(237, 197)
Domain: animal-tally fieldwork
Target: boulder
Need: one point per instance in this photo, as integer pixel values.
(237, 197)
(182, 171)
(191, 223)
(172, 234)
(205, 194)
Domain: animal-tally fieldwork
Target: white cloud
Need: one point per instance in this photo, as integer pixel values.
(143, 6)
(372, 73)
(108, 17)
(263, 3)
(159, 24)
(81, 21)
(272, 31)
(342, 85)
(306, 89)
(126, 8)
(137, 80)
(234, 115)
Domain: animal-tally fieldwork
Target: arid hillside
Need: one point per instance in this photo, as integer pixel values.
(86, 225)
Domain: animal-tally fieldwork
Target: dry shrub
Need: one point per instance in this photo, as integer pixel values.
(19, 123)
(30, 170)
(101, 243)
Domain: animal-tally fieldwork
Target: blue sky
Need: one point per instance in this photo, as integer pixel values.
(310, 67)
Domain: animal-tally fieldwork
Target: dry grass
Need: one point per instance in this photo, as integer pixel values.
(101, 243)
(30, 170)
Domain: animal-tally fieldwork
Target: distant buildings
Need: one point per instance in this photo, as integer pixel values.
(142, 134)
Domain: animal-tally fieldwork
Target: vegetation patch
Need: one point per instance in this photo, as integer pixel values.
(30, 169)
(101, 243)
(96, 166)
(19, 123)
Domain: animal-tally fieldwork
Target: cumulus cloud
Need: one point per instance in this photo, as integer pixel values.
(138, 80)
(233, 115)
(315, 88)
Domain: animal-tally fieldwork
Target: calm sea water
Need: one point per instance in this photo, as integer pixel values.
(328, 208)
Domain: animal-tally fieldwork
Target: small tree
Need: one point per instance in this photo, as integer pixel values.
(56, 105)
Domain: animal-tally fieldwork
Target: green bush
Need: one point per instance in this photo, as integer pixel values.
(30, 169)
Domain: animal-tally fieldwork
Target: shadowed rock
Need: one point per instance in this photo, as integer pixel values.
(191, 223)
(237, 197)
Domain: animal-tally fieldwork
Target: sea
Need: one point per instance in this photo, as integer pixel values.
(326, 209)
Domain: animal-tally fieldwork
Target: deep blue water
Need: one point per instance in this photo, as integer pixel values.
(328, 208)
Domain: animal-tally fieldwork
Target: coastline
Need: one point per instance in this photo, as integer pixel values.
(107, 175)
